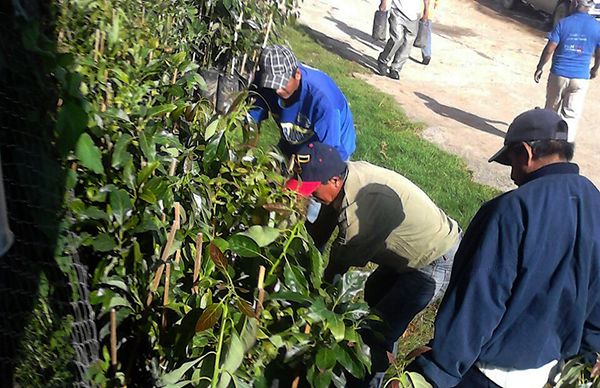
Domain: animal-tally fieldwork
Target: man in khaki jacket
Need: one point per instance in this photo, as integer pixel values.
(386, 219)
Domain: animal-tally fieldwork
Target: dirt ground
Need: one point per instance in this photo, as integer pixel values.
(480, 76)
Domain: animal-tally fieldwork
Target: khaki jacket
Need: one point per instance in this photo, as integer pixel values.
(387, 219)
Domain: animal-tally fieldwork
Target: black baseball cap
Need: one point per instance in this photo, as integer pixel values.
(535, 124)
(277, 64)
(314, 164)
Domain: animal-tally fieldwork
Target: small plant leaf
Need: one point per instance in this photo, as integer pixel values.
(245, 308)
(161, 110)
(262, 235)
(217, 256)
(326, 359)
(88, 154)
(209, 317)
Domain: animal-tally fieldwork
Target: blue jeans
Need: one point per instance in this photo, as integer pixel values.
(426, 51)
(397, 298)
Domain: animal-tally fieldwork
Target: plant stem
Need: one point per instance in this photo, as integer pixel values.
(285, 248)
(219, 347)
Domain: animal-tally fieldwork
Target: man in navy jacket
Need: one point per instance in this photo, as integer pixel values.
(525, 290)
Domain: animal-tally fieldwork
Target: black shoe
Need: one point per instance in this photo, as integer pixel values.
(393, 74)
(383, 68)
(426, 60)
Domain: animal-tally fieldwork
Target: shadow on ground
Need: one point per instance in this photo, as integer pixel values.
(343, 49)
(537, 22)
(469, 119)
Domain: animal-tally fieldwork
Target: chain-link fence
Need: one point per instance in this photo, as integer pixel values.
(47, 331)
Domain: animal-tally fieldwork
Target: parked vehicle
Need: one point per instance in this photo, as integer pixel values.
(556, 9)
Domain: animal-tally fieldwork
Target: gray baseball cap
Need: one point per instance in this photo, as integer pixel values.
(277, 64)
(535, 124)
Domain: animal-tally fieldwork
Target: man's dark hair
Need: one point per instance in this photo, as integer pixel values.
(543, 148)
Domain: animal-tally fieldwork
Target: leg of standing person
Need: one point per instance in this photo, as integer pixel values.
(426, 51)
(572, 104)
(555, 89)
(410, 27)
(394, 42)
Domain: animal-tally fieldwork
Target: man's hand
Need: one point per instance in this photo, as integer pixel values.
(596, 368)
(537, 76)
(383, 5)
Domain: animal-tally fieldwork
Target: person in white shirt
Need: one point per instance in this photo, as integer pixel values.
(404, 25)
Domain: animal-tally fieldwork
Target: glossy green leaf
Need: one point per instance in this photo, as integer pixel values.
(72, 120)
(262, 235)
(120, 204)
(211, 129)
(176, 375)
(120, 154)
(243, 245)
(161, 110)
(294, 279)
(88, 154)
(326, 358)
(336, 325)
(235, 354)
(418, 381)
(104, 242)
(145, 172)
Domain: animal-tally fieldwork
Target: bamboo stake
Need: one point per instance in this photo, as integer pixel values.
(178, 256)
(164, 256)
(97, 46)
(197, 263)
(238, 26)
(102, 39)
(261, 291)
(269, 23)
(296, 380)
(166, 295)
(172, 167)
(113, 337)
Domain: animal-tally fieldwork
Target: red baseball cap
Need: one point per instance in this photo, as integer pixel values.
(314, 164)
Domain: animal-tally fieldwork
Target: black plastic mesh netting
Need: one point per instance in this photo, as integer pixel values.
(47, 330)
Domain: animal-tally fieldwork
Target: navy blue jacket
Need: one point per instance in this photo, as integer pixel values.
(525, 286)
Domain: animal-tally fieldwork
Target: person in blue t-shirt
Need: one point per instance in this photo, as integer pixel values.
(305, 103)
(571, 44)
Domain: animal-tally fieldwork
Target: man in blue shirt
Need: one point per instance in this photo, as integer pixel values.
(305, 103)
(524, 291)
(308, 107)
(571, 44)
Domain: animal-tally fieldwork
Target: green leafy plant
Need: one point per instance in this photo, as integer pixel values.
(578, 374)
(176, 216)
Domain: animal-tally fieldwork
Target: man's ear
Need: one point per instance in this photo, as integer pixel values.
(298, 74)
(528, 152)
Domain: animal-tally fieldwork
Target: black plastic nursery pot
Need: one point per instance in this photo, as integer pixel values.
(211, 77)
(229, 86)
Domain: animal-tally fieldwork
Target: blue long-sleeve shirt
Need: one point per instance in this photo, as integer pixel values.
(318, 111)
(525, 286)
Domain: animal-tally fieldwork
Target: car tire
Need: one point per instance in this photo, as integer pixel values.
(562, 10)
(508, 4)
